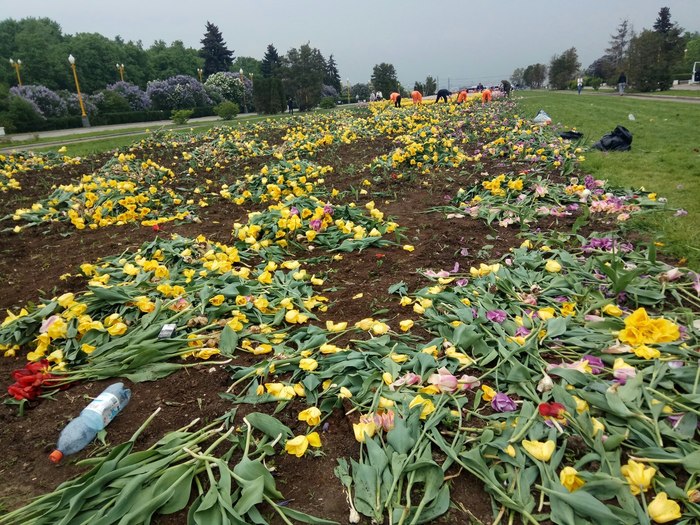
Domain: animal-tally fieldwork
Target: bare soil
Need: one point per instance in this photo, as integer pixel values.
(32, 262)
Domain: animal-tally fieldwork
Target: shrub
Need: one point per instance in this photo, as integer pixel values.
(227, 84)
(46, 101)
(595, 83)
(112, 102)
(178, 92)
(23, 115)
(136, 97)
(329, 91)
(268, 95)
(181, 116)
(73, 105)
(227, 110)
(327, 102)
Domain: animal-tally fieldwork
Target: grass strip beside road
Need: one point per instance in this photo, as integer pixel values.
(665, 156)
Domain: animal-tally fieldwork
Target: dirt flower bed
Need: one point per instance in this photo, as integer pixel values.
(420, 315)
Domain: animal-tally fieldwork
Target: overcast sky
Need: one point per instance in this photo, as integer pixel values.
(463, 41)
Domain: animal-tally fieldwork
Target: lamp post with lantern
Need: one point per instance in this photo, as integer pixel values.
(199, 72)
(86, 121)
(242, 78)
(120, 68)
(16, 64)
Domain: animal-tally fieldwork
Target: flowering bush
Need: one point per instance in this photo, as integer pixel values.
(178, 92)
(227, 85)
(48, 103)
(329, 91)
(136, 97)
(90, 102)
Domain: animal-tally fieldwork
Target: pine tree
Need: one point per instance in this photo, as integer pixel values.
(271, 63)
(332, 77)
(619, 44)
(216, 55)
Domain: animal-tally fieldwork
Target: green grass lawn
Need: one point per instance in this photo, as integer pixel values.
(665, 155)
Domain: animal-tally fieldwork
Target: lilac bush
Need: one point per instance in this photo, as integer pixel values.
(46, 101)
(178, 92)
(137, 98)
(70, 99)
(329, 91)
(228, 85)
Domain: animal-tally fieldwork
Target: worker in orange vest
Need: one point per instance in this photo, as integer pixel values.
(417, 97)
(486, 96)
(462, 96)
(396, 99)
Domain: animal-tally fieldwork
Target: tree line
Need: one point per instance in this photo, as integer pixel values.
(651, 59)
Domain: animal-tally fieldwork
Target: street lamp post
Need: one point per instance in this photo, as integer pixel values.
(240, 75)
(348, 90)
(120, 67)
(17, 64)
(86, 121)
(199, 72)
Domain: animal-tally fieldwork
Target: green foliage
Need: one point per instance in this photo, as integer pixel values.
(332, 77)
(112, 102)
(165, 61)
(217, 57)
(384, 78)
(327, 103)
(534, 75)
(181, 116)
(249, 65)
(271, 64)
(304, 72)
(430, 86)
(268, 94)
(563, 69)
(648, 69)
(595, 83)
(22, 116)
(227, 110)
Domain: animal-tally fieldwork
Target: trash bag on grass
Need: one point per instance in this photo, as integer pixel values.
(571, 135)
(619, 139)
(542, 118)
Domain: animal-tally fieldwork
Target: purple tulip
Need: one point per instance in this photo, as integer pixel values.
(502, 403)
(496, 316)
(596, 363)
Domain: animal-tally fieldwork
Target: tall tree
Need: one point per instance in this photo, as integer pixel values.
(647, 70)
(271, 63)
(303, 75)
(248, 65)
(563, 68)
(534, 75)
(430, 86)
(419, 86)
(165, 61)
(384, 78)
(619, 42)
(673, 44)
(332, 77)
(216, 55)
(517, 76)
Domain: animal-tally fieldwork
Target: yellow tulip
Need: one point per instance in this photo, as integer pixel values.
(364, 430)
(552, 266)
(117, 328)
(336, 327)
(538, 450)
(217, 300)
(638, 476)
(489, 393)
(406, 325)
(569, 478)
(612, 310)
(427, 406)
(298, 445)
(662, 510)
(408, 247)
(309, 364)
(312, 416)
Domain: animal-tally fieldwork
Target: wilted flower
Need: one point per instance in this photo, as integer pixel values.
(538, 450)
(569, 478)
(502, 403)
(496, 316)
(662, 510)
(298, 445)
(638, 476)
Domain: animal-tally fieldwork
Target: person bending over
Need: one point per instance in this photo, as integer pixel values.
(417, 97)
(443, 93)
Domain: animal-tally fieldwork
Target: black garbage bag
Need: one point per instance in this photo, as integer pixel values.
(619, 139)
(571, 135)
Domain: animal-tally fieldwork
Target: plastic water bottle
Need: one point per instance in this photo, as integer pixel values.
(97, 415)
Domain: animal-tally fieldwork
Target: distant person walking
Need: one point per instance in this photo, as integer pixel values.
(290, 105)
(462, 96)
(621, 83)
(486, 96)
(417, 97)
(442, 93)
(579, 85)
